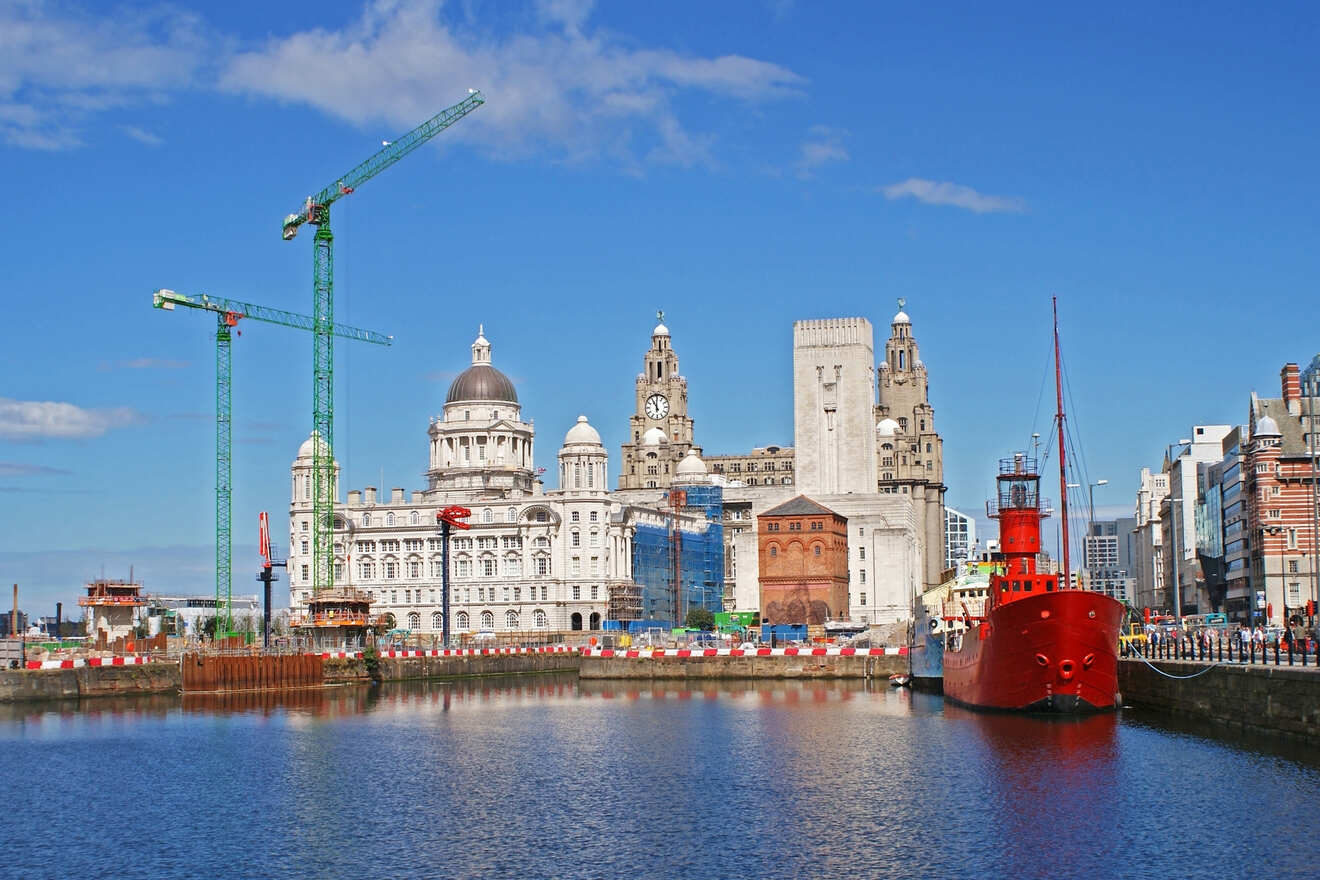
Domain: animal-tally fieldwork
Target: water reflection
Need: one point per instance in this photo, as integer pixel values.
(548, 776)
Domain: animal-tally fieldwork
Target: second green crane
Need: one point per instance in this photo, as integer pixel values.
(228, 313)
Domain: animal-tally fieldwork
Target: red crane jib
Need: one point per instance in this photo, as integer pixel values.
(454, 515)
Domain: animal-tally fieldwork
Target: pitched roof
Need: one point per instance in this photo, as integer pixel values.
(800, 506)
(1290, 426)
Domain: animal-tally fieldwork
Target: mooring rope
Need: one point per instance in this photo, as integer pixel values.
(1178, 677)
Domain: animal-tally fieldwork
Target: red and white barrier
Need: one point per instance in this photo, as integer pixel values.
(789, 651)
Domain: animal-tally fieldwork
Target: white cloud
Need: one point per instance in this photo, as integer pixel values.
(569, 91)
(824, 145)
(20, 469)
(59, 67)
(934, 192)
(142, 136)
(144, 363)
(36, 419)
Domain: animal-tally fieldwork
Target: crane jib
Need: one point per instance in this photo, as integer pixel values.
(317, 207)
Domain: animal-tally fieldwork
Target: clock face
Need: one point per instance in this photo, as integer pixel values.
(657, 406)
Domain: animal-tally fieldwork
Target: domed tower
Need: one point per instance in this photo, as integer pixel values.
(300, 516)
(301, 496)
(583, 461)
(648, 462)
(479, 444)
(691, 470)
(909, 453)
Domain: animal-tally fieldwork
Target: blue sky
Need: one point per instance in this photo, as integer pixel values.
(740, 166)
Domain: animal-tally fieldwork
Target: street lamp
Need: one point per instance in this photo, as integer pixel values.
(1067, 574)
(1264, 571)
(1090, 526)
(1173, 516)
(1311, 388)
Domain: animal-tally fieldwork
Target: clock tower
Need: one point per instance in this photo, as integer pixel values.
(659, 431)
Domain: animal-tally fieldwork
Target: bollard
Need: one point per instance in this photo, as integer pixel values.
(1290, 652)
(1276, 652)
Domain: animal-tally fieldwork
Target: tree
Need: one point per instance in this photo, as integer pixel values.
(700, 618)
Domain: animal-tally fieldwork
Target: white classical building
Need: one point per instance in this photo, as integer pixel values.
(533, 559)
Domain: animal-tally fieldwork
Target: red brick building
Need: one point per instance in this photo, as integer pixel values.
(1281, 508)
(803, 555)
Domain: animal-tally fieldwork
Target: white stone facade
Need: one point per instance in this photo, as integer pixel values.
(532, 560)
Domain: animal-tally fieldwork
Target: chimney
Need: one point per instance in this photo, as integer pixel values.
(369, 495)
(1292, 389)
(354, 498)
(396, 496)
(59, 612)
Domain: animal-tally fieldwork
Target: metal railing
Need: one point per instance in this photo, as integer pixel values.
(1220, 649)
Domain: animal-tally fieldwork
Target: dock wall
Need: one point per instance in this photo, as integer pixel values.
(801, 666)
(88, 681)
(1260, 699)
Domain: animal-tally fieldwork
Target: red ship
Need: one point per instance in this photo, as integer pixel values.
(1037, 645)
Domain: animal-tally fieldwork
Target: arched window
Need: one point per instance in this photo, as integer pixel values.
(414, 621)
(487, 515)
(511, 619)
(366, 519)
(541, 541)
(513, 565)
(415, 518)
(462, 621)
(389, 519)
(577, 475)
(575, 622)
(511, 515)
(774, 551)
(437, 621)
(539, 619)
(487, 620)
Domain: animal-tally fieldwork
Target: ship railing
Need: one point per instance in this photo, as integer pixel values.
(957, 610)
(994, 506)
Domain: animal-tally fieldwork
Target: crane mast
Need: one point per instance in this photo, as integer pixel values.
(228, 313)
(316, 210)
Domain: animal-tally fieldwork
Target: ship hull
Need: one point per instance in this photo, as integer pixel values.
(1052, 652)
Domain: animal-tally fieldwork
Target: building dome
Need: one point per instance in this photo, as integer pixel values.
(481, 381)
(660, 330)
(691, 466)
(1267, 427)
(887, 427)
(883, 366)
(308, 448)
(654, 437)
(901, 318)
(582, 433)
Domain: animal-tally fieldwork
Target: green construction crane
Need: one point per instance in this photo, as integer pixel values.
(316, 210)
(228, 313)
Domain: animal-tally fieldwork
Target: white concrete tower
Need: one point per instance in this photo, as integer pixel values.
(833, 406)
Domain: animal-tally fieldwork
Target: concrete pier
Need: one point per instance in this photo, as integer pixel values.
(1255, 699)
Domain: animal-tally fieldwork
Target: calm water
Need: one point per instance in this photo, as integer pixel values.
(547, 777)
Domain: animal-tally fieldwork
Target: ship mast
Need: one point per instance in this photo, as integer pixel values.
(1063, 470)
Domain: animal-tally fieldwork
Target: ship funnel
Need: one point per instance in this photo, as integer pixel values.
(1017, 462)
